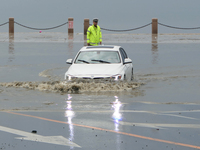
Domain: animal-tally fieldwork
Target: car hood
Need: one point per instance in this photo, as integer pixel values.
(94, 69)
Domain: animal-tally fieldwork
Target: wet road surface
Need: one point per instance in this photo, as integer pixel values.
(98, 129)
(161, 114)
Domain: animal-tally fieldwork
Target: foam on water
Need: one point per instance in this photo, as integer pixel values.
(75, 86)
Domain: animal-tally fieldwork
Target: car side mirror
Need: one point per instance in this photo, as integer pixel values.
(69, 61)
(127, 61)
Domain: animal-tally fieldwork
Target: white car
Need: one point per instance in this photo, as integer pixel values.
(100, 62)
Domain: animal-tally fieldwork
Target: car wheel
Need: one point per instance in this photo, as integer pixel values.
(132, 77)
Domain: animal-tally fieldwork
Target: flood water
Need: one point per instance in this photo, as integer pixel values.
(163, 72)
(167, 82)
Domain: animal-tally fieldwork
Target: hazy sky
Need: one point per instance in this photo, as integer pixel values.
(113, 14)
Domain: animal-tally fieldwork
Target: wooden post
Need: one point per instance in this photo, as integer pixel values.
(70, 26)
(11, 25)
(86, 25)
(154, 26)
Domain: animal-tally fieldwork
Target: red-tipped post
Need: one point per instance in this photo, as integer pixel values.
(70, 25)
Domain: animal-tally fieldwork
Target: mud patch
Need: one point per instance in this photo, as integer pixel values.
(48, 103)
(75, 86)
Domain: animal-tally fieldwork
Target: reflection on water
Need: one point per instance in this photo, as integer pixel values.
(69, 113)
(117, 116)
(70, 43)
(11, 48)
(154, 48)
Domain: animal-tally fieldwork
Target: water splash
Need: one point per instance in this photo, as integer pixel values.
(77, 86)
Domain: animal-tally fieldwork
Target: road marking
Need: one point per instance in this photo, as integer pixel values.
(105, 111)
(157, 125)
(59, 140)
(179, 116)
(113, 131)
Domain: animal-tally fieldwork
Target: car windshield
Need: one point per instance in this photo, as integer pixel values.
(94, 57)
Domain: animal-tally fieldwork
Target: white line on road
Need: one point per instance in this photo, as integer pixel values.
(162, 126)
(180, 116)
(59, 140)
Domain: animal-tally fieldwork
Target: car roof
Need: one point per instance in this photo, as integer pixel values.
(101, 47)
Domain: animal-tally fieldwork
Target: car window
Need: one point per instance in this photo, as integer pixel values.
(122, 54)
(123, 51)
(94, 57)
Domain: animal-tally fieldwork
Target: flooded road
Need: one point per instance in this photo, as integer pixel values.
(160, 112)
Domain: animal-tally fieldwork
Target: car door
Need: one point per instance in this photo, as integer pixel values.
(128, 67)
(125, 66)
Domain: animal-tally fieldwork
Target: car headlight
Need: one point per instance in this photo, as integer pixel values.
(117, 77)
(69, 77)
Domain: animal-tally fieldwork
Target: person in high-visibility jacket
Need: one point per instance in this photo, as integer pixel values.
(94, 36)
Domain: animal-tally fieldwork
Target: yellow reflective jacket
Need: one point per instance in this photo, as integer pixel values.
(94, 35)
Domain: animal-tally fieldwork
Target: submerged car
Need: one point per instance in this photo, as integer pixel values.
(100, 62)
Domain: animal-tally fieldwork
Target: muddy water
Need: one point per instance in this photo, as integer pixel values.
(32, 74)
(75, 86)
